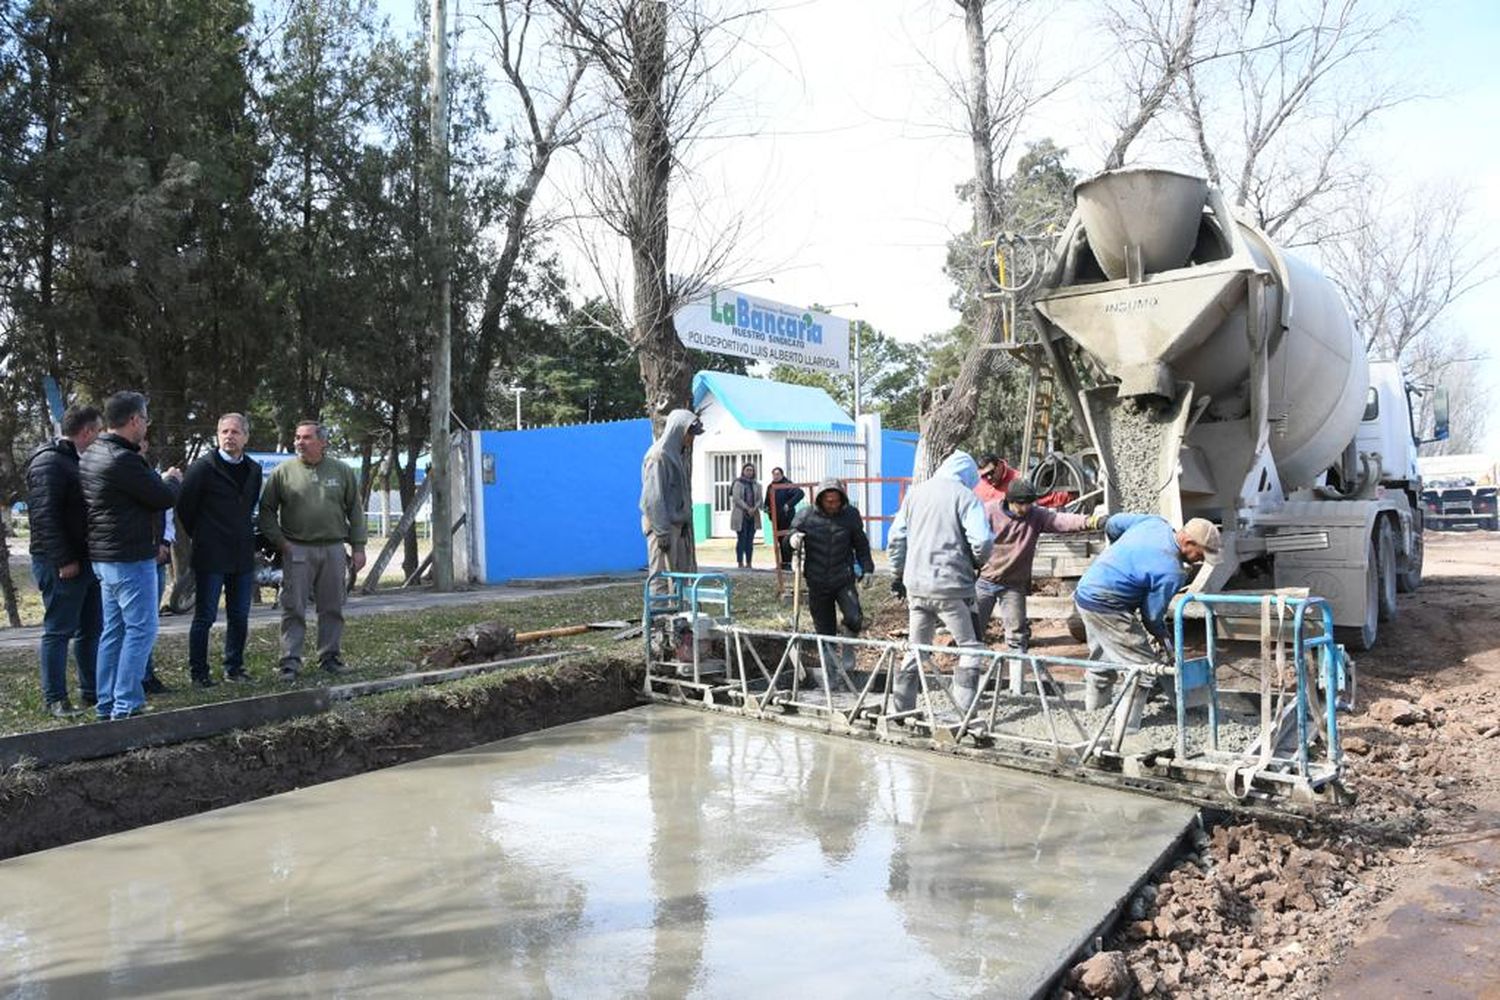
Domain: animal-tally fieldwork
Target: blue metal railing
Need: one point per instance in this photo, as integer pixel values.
(1201, 671)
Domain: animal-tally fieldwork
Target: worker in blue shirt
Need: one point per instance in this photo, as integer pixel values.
(1124, 596)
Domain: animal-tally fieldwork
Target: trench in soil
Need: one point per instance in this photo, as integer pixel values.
(48, 807)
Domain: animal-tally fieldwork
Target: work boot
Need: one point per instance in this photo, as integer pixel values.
(204, 682)
(965, 687)
(153, 685)
(1098, 689)
(335, 666)
(237, 677)
(288, 670)
(907, 687)
(62, 709)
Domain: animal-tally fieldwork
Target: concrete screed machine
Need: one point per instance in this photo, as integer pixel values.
(1216, 376)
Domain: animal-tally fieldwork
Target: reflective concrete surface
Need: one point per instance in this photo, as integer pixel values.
(660, 852)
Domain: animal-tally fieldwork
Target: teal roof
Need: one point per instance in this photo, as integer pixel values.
(762, 405)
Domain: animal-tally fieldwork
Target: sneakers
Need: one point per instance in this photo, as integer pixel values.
(131, 714)
(62, 709)
(288, 672)
(204, 682)
(334, 666)
(237, 677)
(153, 685)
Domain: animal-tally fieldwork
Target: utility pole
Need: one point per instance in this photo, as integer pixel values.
(442, 333)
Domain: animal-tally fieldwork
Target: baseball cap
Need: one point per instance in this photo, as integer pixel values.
(1205, 533)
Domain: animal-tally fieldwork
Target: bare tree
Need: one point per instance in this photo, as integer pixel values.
(1300, 82)
(662, 67)
(544, 73)
(998, 90)
(1158, 42)
(1403, 261)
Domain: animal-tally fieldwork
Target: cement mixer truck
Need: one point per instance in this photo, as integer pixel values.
(1219, 376)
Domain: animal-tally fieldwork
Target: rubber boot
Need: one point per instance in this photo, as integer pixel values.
(1098, 689)
(965, 686)
(904, 692)
(1128, 712)
(1017, 667)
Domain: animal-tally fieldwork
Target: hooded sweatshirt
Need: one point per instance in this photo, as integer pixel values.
(832, 544)
(666, 494)
(1010, 563)
(941, 535)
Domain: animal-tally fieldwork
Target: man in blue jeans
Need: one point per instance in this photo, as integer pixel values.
(124, 497)
(60, 562)
(217, 509)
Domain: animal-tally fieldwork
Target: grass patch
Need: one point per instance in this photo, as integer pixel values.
(382, 645)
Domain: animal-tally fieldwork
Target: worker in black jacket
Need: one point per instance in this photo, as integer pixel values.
(125, 497)
(830, 535)
(60, 561)
(217, 510)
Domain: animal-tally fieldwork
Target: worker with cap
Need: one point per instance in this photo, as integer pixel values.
(830, 536)
(1126, 593)
(939, 539)
(666, 496)
(1018, 523)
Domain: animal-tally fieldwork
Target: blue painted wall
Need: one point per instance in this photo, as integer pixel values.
(564, 500)
(898, 456)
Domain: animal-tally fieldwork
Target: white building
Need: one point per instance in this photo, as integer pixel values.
(775, 424)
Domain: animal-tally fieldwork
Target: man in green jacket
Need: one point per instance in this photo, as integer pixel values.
(309, 509)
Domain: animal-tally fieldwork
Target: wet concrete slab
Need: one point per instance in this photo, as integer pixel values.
(656, 852)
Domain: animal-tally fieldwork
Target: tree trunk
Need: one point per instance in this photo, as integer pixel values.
(949, 415)
(7, 585)
(665, 370)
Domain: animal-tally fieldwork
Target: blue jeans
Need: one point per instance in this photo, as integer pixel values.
(128, 592)
(72, 615)
(237, 589)
(161, 588)
(744, 541)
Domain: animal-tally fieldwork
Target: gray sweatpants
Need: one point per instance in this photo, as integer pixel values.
(318, 574)
(923, 615)
(1012, 606)
(1115, 637)
(679, 556)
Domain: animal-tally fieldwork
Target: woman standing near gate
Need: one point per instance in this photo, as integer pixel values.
(744, 514)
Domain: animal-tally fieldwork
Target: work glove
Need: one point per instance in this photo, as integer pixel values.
(898, 589)
(1097, 521)
(795, 540)
(867, 579)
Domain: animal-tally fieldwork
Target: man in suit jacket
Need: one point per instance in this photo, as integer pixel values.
(217, 510)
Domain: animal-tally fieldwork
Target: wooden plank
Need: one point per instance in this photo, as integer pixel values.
(408, 518)
(359, 689)
(106, 739)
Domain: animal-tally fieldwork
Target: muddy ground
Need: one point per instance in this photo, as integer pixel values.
(49, 807)
(1398, 895)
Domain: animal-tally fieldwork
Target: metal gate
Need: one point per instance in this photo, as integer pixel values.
(814, 456)
(726, 469)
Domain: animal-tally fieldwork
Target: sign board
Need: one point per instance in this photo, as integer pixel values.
(729, 322)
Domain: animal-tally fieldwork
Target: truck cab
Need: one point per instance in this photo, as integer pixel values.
(1388, 427)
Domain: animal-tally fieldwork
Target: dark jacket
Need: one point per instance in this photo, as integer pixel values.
(217, 513)
(124, 496)
(54, 504)
(784, 502)
(831, 545)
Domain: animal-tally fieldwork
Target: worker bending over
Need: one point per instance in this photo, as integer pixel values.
(830, 535)
(938, 540)
(1018, 524)
(1124, 596)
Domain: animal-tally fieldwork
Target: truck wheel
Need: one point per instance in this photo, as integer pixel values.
(1410, 577)
(1385, 560)
(1360, 638)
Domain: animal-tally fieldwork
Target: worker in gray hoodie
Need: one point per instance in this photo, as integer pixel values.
(666, 496)
(938, 541)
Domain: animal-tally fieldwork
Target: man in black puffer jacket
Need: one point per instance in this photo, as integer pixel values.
(60, 561)
(830, 534)
(125, 498)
